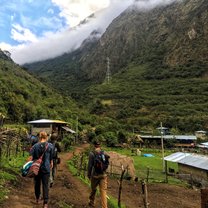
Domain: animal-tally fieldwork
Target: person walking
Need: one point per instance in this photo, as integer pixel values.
(56, 150)
(45, 148)
(97, 166)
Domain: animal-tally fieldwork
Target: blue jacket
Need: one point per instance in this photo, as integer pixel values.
(37, 150)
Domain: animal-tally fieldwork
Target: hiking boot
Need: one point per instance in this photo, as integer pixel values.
(37, 201)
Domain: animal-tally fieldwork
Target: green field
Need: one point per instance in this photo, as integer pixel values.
(150, 167)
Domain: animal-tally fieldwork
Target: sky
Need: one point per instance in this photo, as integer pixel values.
(33, 30)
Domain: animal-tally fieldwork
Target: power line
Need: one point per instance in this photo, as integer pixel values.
(108, 73)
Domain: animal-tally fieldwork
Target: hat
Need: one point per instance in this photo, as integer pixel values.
(96, 143)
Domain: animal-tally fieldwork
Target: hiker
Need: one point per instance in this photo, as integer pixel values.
(44, 173)
(56, 159)
(97, 174)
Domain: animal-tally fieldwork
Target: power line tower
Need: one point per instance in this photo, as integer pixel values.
(108, 73)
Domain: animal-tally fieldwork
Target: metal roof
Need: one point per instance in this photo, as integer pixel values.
(193, 160)
(46, 121)
(177, 137)
(205, 144)
(202, 132)
(175, 157)
(66, 128)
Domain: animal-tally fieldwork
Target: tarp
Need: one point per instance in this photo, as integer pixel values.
(148, 155)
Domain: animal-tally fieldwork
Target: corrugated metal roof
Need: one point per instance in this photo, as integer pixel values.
(177, 137)
(185, 137)
(193, 160)
(46, 121)
(175, 157)
(205, 144)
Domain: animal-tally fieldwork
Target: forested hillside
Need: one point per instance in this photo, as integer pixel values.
(158, 68)
(23, 97)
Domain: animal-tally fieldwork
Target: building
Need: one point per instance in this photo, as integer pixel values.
(201, 135)
(174, 140)
(193, 165)
(50, 126)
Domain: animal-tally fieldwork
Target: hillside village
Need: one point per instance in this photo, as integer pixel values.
(140, 89)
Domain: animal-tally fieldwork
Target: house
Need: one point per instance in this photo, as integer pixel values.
(201, 135)
(50, 126)
(175, 140)
(193, 165)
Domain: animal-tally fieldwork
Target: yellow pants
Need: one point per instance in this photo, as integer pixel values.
(102, 183)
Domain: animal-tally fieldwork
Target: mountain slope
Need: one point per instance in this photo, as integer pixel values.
(158, 64)
(24, 98)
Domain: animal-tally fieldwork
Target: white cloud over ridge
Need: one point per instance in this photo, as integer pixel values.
(52, 45)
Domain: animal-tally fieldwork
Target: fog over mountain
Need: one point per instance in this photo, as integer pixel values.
(66, 41)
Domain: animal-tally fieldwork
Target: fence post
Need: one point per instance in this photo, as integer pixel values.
(204, 198)
(148, 173)
(120, 186)
(145, 194)
(111, 168)
(166, 172)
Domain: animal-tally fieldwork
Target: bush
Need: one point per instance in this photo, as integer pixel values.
(111, 139)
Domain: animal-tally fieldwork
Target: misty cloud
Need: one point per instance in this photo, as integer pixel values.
(52, 45)
(151, 4)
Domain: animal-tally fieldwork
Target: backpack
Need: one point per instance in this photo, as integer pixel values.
(101, 162)
(25, 168)
(55, 152)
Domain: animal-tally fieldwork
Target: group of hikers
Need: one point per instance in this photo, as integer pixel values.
(49, 148)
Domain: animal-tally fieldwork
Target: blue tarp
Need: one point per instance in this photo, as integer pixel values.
(148, 155)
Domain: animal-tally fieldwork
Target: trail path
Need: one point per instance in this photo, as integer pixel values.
(70, 192)
(67, 190)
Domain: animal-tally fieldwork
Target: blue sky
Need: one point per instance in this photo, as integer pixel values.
(34, 30)
(36, 17)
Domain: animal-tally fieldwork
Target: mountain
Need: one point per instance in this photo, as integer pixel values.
(24, 98)
(158, 68)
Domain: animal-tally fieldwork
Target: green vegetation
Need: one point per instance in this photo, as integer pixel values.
(158, 67)
(150, 166)
(24, 98)
(9, 173)
(141, 104)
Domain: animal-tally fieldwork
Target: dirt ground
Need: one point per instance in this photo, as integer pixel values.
(68, 191)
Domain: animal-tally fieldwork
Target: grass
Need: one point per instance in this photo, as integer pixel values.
(9, 170)
(4, 178)
(151, 166)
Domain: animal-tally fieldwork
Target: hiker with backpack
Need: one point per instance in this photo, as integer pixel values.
(97, 166)
(56, 159)
(43, 147)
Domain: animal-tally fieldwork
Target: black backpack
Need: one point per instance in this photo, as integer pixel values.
(101, 162)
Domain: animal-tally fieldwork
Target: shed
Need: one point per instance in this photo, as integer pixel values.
(191, 164)
(50, 126)
(201, 134)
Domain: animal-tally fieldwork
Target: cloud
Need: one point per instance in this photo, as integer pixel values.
(75, 11)
(150, 4)
(21, 34)
(53, 44)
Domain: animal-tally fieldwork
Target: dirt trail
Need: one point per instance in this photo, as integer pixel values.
(70, 192)
(67, 190)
